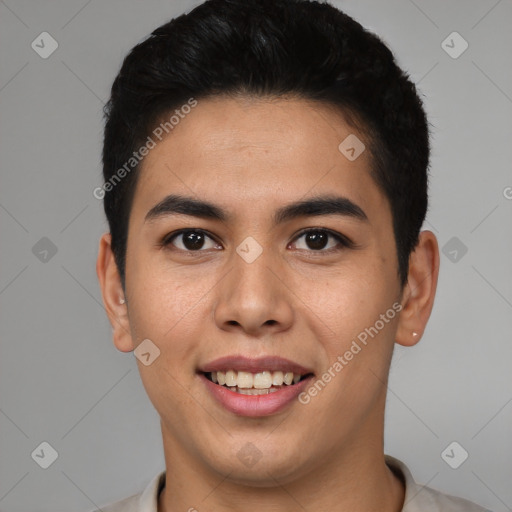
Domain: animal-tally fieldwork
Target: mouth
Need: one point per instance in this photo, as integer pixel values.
(254, 387)
(260, 383)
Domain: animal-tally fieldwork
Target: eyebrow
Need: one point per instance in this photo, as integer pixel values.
(312, 207)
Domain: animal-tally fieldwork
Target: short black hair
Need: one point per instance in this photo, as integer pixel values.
(272, 48)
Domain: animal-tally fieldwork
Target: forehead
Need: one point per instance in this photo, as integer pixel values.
(255, 152)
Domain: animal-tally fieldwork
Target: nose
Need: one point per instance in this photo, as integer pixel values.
(253, 297)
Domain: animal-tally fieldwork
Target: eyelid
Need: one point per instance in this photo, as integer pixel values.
(342, 240)
(170, 236)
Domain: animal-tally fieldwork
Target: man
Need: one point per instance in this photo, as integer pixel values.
(265, 168)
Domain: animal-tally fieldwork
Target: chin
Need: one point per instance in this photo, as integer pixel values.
(266, 466)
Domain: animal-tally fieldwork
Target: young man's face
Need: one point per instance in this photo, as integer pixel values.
(305, 298)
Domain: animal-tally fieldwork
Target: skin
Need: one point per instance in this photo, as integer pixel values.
(250, 157)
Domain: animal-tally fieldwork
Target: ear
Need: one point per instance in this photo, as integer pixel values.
(113, 295)
(419, 291)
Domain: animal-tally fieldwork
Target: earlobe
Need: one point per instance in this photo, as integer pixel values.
(420, 290)
(113, 295)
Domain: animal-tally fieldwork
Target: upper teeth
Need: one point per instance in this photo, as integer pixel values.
(261, 380)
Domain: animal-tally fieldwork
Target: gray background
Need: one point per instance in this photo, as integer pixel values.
(61, 379)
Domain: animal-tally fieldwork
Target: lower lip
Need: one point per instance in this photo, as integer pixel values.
(255, 405)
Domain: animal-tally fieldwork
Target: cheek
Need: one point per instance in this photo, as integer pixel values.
(162, 295)
(169, 306)
(349, 310)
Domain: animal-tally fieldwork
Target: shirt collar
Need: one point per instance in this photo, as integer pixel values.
(148, 501)
(420, 497)
(414, 500)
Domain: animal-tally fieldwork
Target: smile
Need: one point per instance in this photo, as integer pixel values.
(254, 387)
(260, 383)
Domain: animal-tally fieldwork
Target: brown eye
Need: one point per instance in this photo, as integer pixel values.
(190, 240)
(318, 240)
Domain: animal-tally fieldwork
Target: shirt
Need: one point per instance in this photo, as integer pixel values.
(418, 498)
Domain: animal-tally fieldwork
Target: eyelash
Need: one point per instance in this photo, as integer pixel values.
(344, 242)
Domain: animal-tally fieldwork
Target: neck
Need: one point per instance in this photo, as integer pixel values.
(355, 480)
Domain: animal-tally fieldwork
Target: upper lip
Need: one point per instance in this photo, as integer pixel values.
(254, 365)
